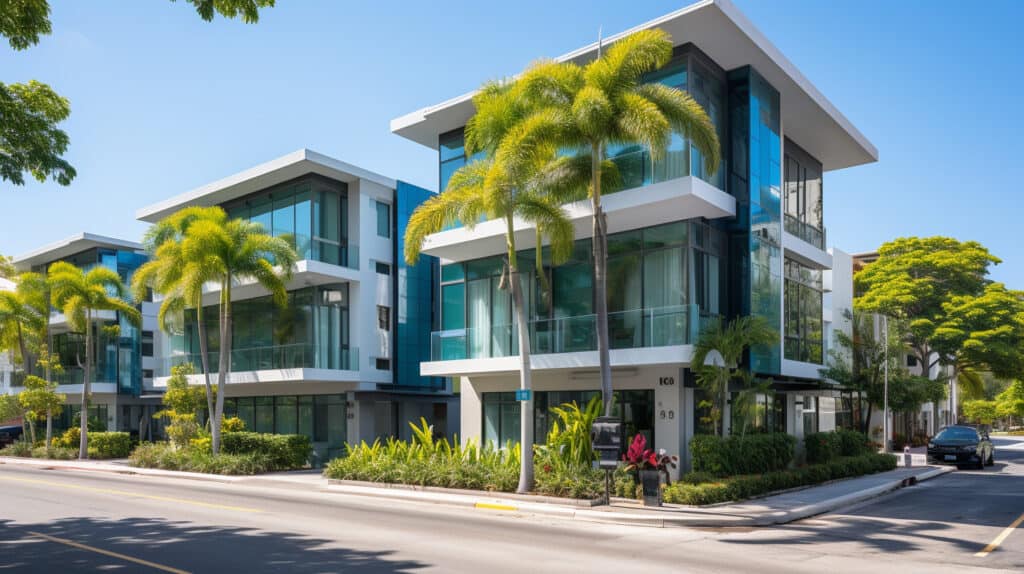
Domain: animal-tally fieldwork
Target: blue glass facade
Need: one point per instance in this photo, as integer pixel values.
(756, 183)
(415, 292)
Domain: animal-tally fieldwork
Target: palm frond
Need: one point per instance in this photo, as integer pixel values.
(688, 118)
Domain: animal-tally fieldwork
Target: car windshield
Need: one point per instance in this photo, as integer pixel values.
(958, 433)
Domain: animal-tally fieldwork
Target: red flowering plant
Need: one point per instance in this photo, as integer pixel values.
(638, 457)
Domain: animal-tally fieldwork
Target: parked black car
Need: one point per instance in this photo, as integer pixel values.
(962, 446)
(9, 434)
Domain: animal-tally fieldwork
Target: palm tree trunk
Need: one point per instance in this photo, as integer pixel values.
(525, 382)
(26, 361)
(225, 361)
(83, 441)
(204, 359)
(601, 281)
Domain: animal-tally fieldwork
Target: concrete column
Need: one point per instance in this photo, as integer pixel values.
(470, 412)
(668, 422)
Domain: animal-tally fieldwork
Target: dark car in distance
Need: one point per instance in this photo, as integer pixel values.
(962, 446)
(9, 434)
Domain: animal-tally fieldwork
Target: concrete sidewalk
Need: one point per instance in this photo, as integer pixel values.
(778, 509)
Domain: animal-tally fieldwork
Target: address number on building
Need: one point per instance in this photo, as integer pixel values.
(666, 381)
(524, 394)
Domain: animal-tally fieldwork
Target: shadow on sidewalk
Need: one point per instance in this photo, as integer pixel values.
(180, 545)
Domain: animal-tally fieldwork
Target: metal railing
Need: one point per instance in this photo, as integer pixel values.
(805, 231)
(294, 356)
(639, 328)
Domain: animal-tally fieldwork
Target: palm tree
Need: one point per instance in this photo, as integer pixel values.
(518, 179)
(180, 284)
(24, 317)
(606, 102)
(215, 249)
(80, 295)
(730, 340)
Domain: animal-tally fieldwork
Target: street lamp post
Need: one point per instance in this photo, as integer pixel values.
(885, 392)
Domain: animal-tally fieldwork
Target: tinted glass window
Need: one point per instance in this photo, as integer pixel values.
(957, 433)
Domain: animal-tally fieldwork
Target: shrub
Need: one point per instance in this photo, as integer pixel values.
(54, 453)
(825, 446)
(165, 456)
(19, 448)
(232, 424)
(109, 444)
(68, 439)
(624, 484)
(691, 490)
(746, 454)
(285, 451)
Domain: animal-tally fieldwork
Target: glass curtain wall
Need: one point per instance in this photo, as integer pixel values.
(650, 296)
(311, 213)
(803, 201)
(312, 332)
(803, 316)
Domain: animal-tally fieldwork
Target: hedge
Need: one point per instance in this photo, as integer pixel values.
(742, 454)
(284, 451)
(696, 489)
(824, 446)
(101, 444)
(165, 456)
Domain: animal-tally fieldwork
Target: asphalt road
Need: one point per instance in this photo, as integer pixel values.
(62, 521)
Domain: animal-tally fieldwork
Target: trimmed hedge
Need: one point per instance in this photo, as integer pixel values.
(747, 454)
(825, 446)
(285, 451)
(688, 491)
(101, 444)
(166, 457)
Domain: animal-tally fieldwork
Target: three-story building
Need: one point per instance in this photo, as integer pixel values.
(685, 247)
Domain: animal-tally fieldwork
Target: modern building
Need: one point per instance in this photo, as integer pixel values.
(686, 246)
(341, 361)
(123, 397)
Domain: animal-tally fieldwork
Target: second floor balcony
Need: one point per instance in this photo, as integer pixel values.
(634, 329)
(806, 232)
(272, 357)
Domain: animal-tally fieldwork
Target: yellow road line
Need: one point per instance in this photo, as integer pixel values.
(1002, 536)
(81, 546)
(133, 494)
(490, 506)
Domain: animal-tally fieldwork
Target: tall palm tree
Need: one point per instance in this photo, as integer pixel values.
(24, 318)
(730, 340)
(80, 295)
(604, 103)
(180, 284)
(506, 185)
(223, 251)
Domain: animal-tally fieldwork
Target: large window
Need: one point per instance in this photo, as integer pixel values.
(803, 196)
(803, 313)
(311, 213)
(758, 412)
(320, 417)
(383, 219)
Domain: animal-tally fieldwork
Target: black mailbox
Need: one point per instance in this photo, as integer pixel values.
(606, 438)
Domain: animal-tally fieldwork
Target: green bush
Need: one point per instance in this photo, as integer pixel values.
(285, 451)
(625, 485)
(825, 446)
(109, 444)
(746, 454)
(54, 453)
(68, 439)
(166, 457)
(692, 490)
(19, 448)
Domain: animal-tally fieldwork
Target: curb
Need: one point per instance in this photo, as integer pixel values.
(48, 464)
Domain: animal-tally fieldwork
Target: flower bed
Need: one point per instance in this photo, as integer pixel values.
(700, 488)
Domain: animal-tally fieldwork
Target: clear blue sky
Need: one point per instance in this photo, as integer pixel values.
(163, 102)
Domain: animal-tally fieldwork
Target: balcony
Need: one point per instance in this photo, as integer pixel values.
(640, 328)
(806, 232)
(276, 357)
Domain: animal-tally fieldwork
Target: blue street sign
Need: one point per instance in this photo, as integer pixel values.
(524, 394)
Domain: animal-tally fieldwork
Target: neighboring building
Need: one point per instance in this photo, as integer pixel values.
(123, 397)
(686, 246)
(7, 367)
(341, 362)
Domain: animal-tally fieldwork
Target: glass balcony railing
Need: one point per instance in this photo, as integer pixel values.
(657, 327)
(295, 356)
(637, 169)
(806, 231)
(71, 376)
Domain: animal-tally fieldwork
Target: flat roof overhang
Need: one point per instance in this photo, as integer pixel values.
(280, 170)
(664, 202)
(720, 30)
(70, 246)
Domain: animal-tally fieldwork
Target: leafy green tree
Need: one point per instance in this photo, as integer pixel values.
(80, 295)
(24, 318)
(183, 402)
(507, 184)
(41, 400)
(950, 314)
(225, 252)
(729, 340)
(1010, 402)
(607, 102)
(10, 408)
(167, 272)
(29, 136)
(981, 411)
(7, 270)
